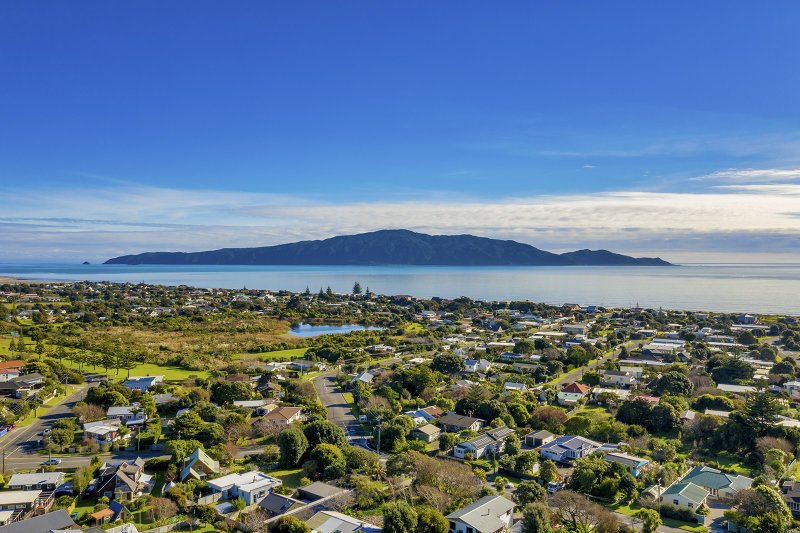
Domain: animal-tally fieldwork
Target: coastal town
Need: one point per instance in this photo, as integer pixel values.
(136, 408)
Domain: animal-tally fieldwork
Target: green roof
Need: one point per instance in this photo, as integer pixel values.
(690, 491)
(714, 479)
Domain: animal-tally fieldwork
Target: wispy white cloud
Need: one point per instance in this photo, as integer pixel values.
(750, 175)
(736, 218)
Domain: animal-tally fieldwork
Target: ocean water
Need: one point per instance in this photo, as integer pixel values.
(733, 288)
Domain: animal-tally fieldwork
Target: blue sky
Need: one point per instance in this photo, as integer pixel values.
(671, 129)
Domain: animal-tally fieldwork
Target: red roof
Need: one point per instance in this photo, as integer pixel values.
(577, 387)
(16, 363)
(649, 397)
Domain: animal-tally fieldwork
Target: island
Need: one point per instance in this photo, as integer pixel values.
(392, 247)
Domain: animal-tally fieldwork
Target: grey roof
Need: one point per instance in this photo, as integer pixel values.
(319, 490)
(454, 419)
(41, 524)
(541, 434)
(278, 503)
(37, 478)
(624, 459)
(500, 433)
(570, 442)
(484, 515)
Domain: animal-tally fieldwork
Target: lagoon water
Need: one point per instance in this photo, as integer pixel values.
(758, 288)
(314, 330)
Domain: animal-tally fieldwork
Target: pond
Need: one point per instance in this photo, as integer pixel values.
(311, 330)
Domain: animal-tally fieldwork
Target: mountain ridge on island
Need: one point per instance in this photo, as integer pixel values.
(392, 247)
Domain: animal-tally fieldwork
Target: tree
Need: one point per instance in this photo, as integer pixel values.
(650, 520)
(399, 517)
(161, 508)
(289, 524)
(524, 347)
(513, 445)
(293, 445)
(760, 409)
(429, 520)
(205, 513)
(447, 441)
(536, 518)
(329, 459)
(322, 431)
(447, 363)
(673, 383)
(189, 424)
(529, 492)
(356, 288)
(549, 471)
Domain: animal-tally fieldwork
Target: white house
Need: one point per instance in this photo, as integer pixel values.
(477, 365)
(252, 487)
(142, 383)
(617, 378)
(686, 495)
(490, 514)
(570, 447)
(130, 414)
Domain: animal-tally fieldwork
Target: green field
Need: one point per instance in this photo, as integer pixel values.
(278, 355)
(291, 478)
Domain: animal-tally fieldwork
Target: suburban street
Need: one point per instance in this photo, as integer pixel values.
(22, 441)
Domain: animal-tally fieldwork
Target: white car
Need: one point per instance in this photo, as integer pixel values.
(53, 461)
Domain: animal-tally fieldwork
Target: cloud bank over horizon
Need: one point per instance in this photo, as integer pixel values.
(743, 215)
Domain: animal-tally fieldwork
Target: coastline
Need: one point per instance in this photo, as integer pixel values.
(6, 280)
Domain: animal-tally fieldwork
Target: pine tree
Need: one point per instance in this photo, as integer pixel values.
(356, 288)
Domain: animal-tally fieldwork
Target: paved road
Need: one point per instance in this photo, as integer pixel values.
(339, 411)
(24, 440)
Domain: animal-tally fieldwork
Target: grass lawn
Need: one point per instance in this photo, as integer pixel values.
(733, 463)
(278, 355)
(594, 412)
(290, 478)
(42, 411)
(633, 508)
(85, 505)
(170, 373)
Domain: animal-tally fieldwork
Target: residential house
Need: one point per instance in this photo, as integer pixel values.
(490, 514)
(275, 504)
(653, 400)
(15, 364)
(631, 463)
(333, 521)
(534, 439)
(56, 521)
(23, 504)
(747, 319)
(306, 366)
(575, 329)
(791, 495)
(130, 414)
(142, 383)
(115, 511)
(102, 431)
(252, 487)
(686, 495)
(718, 484)
(426, 433)
(792, 386)
(491, 442)
(572, 393)
(22, 386)
(365, 378)
(317, 491)
(259, 407)
(570, 447)
(635, 371)
(44, 481)
(455, 422)
(621, 394)
(284, 415)
(617, 378)
(512, 386)
(477, 365)
(433, 411)
(123, 480)
(8, 375)
(198, 466)
(526, 368)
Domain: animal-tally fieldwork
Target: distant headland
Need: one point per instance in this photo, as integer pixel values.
(392, 247)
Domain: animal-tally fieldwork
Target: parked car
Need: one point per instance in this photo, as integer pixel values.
(53, 461)
(554, 486)
(46, 431)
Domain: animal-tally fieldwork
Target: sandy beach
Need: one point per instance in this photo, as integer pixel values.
(5, 280)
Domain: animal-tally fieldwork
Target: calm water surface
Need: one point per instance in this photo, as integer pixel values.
(312, 330)
(760, 288)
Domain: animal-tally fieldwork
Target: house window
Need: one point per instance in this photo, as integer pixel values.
(469, 530)
(452, 526)
(675, 502)
(689, 505)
